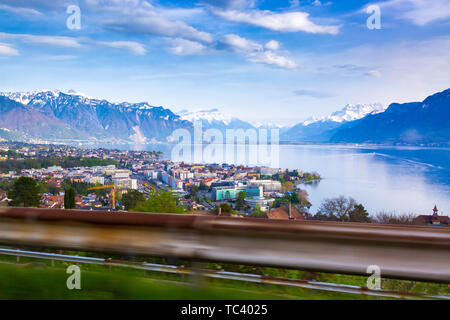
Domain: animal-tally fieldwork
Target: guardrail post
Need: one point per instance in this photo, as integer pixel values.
(197, 279)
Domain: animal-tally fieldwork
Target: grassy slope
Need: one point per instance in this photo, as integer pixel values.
(39, 281)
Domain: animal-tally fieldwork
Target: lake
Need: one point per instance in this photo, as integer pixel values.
(382, 178)
(400, 179)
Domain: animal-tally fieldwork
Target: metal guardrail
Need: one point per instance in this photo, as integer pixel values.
(255, 278)
(401, 252)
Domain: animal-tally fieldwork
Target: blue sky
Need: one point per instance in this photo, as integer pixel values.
(263, 60)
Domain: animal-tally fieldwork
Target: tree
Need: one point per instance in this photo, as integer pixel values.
(24, 193)
(359, 214)
(293, 198)
(393, 218)
(240, 202)
(46, 187)
(257, 212)
(69, 198)
(6, 185)
(131, 199)
(225, 209)
(203, 187)
(303, 198)
(193, 193)
(287, 186)
(336, 209)
(161, 202)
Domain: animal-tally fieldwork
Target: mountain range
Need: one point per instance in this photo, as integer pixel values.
(51, 115)
(322, 129)
(58, 116)
(214, 119)
(426, 123)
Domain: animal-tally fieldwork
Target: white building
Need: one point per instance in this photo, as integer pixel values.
(269, 186)
(125, 183)
(96, 179)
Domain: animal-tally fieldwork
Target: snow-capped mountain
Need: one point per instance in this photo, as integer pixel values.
(321, 129)
(423, 122)
(214, 119)
(88, 118)
(211, 115)
(349, 113)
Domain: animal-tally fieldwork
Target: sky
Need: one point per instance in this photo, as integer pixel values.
(259, 60)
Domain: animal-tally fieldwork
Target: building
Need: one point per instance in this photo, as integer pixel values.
(285, 213)
(232, 193)
(263, 202)
(434, 219)
(125, 183)
(96, 180)
(54, 168)
(269, 171)
(171, 181)
(269, 186)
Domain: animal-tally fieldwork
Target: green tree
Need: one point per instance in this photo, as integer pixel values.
(359, 214)
(160, 202)
(24, 193)
(132, 199)
(6, 185)
(240, 202)
(46, 187)
(287, 186)
(203, 187)
(69, 198)
(257, 212)
(193, 193)
(225, 209)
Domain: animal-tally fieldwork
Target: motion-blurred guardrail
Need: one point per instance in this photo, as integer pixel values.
(402, 252)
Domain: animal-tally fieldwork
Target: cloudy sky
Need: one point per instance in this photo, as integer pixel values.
(270, 61)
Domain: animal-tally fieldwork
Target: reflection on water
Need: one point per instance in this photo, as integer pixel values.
(400, 179)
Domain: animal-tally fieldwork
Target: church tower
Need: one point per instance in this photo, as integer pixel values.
(435, 211)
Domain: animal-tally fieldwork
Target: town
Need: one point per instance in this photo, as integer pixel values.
(61, 176)
(103, 179)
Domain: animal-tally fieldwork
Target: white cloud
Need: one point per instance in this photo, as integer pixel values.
(20, 11)
(272, 58)
(8, 50)
(231, 4)
(152, 23)
(131, 16)
(256, 52)
(313, 94)
(187, 47)
(374, 73)
(283, 22)
(133, 47)
(67, 42)
(75, 43)
(240, 45)
(419, 12)
(272, 45)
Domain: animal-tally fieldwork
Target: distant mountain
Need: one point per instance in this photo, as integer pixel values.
(214, 119)
(70, 116)
(55, 114)
(322, 129)
(25, 121)
(426, 122)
